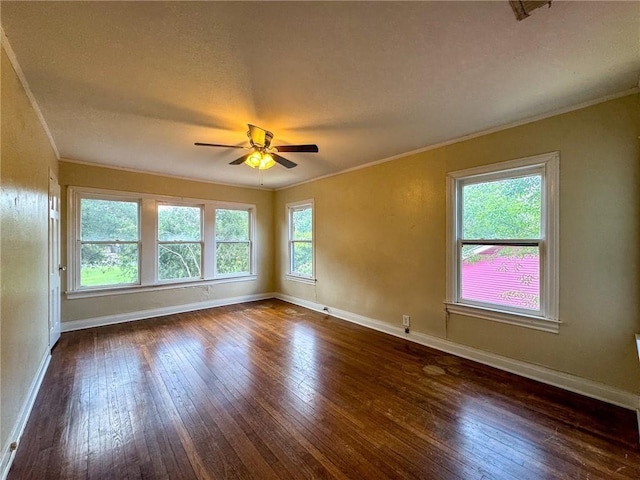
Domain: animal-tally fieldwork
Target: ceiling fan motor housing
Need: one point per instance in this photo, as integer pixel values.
(259, 137)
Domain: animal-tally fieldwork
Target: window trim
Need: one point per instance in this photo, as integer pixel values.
(548, 165)
(290, 208)
(75, 241)
(148, 242)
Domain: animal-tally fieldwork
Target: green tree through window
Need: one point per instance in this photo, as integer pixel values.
(301, 240)
(233, 247)
(129, 240)
(109, 236)
(502, 235)
(179, 242)
(509, 208)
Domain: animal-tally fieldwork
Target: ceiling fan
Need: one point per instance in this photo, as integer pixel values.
(263, 155)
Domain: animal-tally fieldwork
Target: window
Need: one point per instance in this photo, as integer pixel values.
(233, 244)
(502, 245)
(179, 242)
(301, 254)
(120, 241)
(109, 242)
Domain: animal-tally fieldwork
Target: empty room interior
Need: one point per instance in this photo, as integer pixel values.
(282, 240)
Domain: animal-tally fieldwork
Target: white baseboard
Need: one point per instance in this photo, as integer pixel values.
(159, 312)
(562, 380)
(542, 374)
(18, 428)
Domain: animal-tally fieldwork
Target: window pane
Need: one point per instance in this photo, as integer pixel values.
(302, 262)
(108, 220)
(502, 209)
(302, 227)
(232, 225)
(232, 258)
(108, 264)
(501, 275)
(179, 223)
(179, 260)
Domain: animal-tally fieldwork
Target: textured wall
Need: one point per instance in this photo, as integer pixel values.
(380, 242)
(27, 157)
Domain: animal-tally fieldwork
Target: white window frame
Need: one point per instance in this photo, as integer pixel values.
(252, 257)
(76, 243)
(290, 208)
(148, 242)
(547, 165)
(159, 242)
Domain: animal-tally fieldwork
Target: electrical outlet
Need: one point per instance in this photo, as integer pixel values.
(406, 320)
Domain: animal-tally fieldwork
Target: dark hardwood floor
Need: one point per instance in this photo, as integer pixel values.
(268, 390)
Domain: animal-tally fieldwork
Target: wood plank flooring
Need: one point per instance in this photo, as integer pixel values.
(268, 390)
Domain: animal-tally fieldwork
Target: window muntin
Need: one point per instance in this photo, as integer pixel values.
(179, 242)
(300, 217)
(233, 244)
(108, 242)
(142, 248)
(502, 254)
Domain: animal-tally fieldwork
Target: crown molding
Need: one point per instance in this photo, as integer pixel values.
(470, 136)
(165, 175)
(4, 41)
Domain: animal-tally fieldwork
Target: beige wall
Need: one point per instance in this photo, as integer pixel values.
(380, 242)
(27, 157)
(79, 175)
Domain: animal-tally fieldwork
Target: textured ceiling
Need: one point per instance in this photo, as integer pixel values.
(134, 84)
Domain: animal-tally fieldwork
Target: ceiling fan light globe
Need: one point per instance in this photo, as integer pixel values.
(266, 162)
(254, 160)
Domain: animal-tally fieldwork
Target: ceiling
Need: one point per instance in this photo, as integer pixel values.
(135, 84)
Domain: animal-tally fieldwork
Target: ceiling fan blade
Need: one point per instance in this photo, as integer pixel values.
(199, 144)
(298, 148)
(240, 160)
(283, 161)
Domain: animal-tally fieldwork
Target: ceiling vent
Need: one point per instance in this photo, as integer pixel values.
(523, 8)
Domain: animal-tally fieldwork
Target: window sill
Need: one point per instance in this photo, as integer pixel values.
(521, 320)
(296, 278)
(103, 292)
